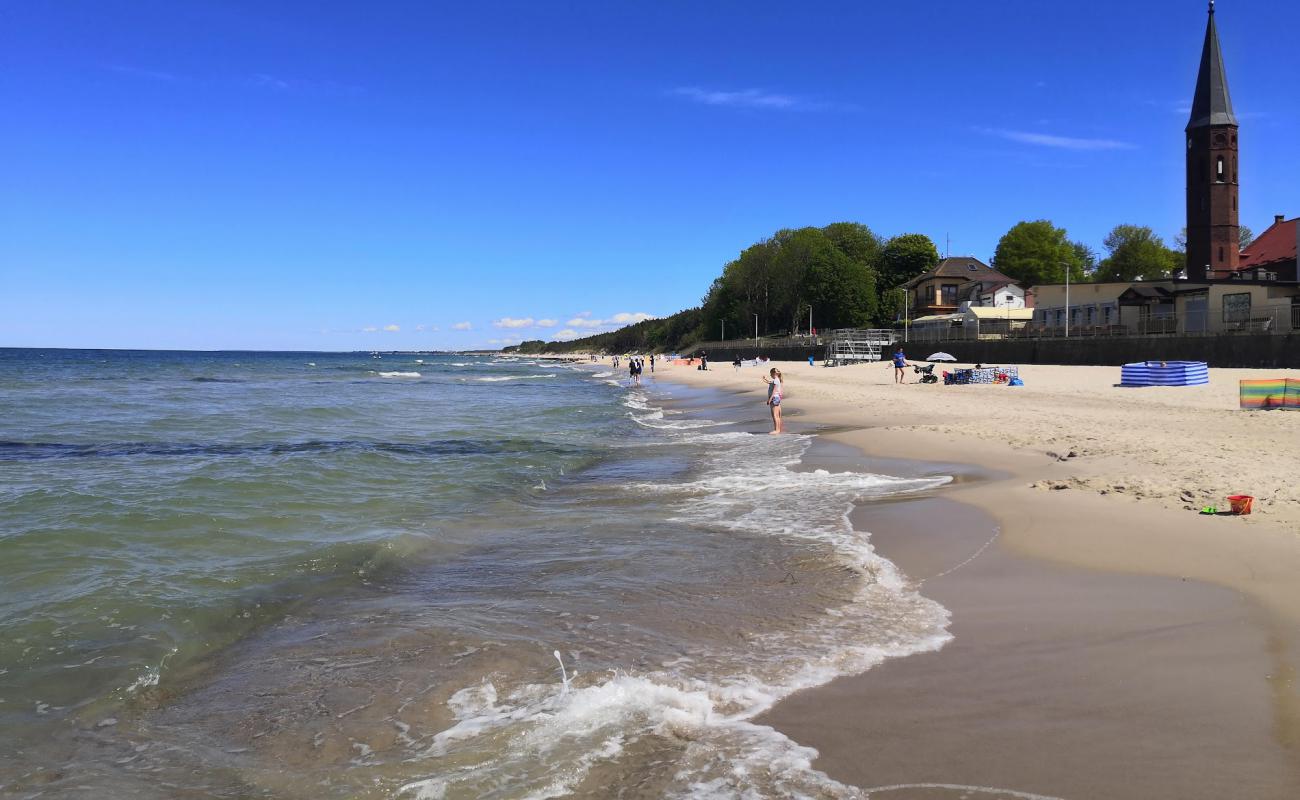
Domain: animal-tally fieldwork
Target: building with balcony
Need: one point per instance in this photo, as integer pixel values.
(959, 282)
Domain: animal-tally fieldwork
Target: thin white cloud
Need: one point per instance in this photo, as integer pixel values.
(585, 322)
(748, 98)
(392, 328)
(567, 334)
(1059, 142)
(271, 82)
(370, 329)
(139, 72)
(462, 326)
(513, 322)
(627, 318)
(547, 323)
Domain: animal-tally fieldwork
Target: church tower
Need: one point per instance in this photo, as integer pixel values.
(1212, 229)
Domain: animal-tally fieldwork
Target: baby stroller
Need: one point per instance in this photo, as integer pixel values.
(926, 373)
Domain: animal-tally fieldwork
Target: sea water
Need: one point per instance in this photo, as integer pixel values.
(309, 575)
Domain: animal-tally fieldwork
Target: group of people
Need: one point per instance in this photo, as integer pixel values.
(636, 366)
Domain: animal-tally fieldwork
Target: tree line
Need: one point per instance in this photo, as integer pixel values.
(847, 276)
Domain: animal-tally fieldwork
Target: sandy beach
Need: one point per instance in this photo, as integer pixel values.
(1108, 640)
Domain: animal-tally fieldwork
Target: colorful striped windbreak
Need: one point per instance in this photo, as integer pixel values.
(1273, 393)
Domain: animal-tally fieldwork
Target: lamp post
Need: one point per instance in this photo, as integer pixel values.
(724, 329)
(905, 318)
(756, 335)
(1067, 299)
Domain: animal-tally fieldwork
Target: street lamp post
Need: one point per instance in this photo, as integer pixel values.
(724, 329)
(905, 315)
(756, 336)
(1067, 299)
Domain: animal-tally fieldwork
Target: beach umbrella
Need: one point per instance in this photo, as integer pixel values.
(941, 357)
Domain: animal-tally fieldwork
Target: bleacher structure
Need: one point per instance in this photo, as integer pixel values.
(855, 345)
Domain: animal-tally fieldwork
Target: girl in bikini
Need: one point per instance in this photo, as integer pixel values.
(774, 399)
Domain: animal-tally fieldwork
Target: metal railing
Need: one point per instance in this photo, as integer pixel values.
(1277, 319)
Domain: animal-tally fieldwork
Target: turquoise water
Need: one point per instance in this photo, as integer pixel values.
(358, 575)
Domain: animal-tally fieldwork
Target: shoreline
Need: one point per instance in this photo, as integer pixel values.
(1207, 623)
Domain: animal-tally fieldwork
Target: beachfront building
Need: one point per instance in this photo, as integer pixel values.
(960, 282)
(1166, 307)
(1224, 289)
(1273, 255)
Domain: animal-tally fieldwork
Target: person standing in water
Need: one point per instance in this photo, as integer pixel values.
(774, 399)
(900, 364)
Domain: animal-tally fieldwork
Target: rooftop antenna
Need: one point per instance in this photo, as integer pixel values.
(947, 246)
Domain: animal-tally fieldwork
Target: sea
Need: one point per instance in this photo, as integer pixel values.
(405, 575)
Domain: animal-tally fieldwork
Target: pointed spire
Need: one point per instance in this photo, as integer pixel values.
(1212, 105)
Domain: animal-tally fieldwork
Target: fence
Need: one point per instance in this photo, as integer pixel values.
(1276, 319)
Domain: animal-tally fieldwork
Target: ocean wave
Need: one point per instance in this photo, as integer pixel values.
(40, 451)
(501, 378)
(555, 733)
(399, 374)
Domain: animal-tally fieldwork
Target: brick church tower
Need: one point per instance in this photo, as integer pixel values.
(1212, 229)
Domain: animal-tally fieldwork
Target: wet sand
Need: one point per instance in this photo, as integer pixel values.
(1060, 682)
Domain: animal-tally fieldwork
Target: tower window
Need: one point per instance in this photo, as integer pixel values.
(1220, 255)
(1218, 169)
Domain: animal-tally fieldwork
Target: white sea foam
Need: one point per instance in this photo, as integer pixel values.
(603, 375)
(547, 736)
(500, 378)
(399, 374)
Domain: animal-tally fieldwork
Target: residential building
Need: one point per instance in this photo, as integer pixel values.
(958, 281)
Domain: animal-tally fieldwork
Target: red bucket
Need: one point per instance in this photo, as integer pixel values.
(1240, 503)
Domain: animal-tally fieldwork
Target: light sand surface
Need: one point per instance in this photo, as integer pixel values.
(1154, 656)
(1181, 447)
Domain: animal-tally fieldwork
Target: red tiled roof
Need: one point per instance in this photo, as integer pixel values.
(1278, 243)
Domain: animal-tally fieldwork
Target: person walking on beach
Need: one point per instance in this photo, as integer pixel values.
(633, 372)
(652, 363)
(900, 364)
(774, 400)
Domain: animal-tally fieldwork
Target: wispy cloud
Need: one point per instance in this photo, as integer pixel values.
(760, 99)
(585, 321)
(547, 323)
(567, 334)
(462, 326)
(1059, 142)
(140, 72)
(271, 82)
(392, 328)
(513, 322)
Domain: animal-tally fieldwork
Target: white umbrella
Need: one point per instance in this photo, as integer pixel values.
(941, 357)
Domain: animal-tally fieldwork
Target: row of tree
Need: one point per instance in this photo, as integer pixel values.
(846, 276)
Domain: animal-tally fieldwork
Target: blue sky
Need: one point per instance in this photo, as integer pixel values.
(336, 176)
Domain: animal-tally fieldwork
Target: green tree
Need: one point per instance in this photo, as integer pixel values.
(1038, 252)
(1136, 252)
(902, 258)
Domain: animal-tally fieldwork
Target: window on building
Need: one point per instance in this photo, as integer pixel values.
(1218, 169)
(929, 294)
(1220, 255)
(949, 293)
(1236, 307)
